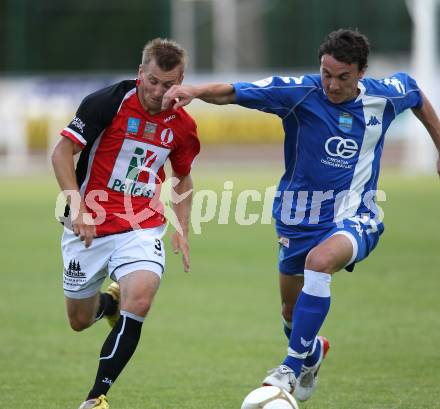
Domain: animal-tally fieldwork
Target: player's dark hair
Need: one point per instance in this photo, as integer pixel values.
(167, 53)
(349, 46)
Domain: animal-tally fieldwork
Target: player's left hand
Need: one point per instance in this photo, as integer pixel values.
(180, 244)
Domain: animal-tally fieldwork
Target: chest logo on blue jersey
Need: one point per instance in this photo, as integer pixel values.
(373, 121)
(133, 125)
(339, 147)
(345, 122)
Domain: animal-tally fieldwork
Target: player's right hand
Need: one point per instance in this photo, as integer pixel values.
(84, 228)
(178, 96)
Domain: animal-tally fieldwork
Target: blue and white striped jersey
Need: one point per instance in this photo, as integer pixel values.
(332, 151)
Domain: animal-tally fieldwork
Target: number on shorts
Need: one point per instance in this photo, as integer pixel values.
(158, 245)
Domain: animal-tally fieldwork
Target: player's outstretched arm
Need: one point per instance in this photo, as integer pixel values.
(182, 200)
(62, 162)
(427, 115)
(214, 93)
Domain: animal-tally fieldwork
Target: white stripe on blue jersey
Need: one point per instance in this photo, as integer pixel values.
(373, 106)
(332, 151)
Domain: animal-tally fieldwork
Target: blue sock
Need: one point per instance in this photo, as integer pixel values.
(315, 351)
(314, 354)
(309, 314)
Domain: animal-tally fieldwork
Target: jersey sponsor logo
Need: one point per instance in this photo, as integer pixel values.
(136, 168)
(167, 136)
(133, 125)
(169, 118)
(78, 124)
(345, 121)
(150, 130)
(373, 121)
(344, 148)
(129, 184)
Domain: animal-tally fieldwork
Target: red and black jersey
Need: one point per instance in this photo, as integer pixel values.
(120, 168)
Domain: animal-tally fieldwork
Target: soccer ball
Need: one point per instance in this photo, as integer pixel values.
(269, 397)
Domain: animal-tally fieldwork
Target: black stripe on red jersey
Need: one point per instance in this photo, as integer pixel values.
(93, 116)
(96, 113)
(124, 152)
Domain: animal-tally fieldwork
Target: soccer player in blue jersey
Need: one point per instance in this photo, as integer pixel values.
(324, 210)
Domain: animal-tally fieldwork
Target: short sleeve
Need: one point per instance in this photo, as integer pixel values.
(182, 157)
(403, 92)
(95, 113)
(276, 95)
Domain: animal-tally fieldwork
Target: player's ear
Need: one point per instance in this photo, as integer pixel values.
(140, 70)
(362, 72)
(182, 74)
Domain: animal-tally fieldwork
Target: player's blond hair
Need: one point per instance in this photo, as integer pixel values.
(166, 53)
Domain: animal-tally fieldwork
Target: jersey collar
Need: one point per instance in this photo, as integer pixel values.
(361, 91)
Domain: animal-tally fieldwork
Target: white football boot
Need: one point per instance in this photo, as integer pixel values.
(308, 379)
(283, 377)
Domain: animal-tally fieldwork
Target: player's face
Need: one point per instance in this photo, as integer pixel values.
(154, 82)
(339, 79)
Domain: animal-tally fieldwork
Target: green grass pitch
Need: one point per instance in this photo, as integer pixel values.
(213, 333)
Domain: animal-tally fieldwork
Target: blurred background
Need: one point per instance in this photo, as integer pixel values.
(54, 53)
(213, 333)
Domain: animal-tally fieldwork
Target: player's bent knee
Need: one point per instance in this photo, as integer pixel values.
(139, 306)
(321, 260)
(79, 323)
(142, 308)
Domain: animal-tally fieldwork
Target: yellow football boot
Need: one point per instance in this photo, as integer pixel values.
(98, 403)
(113, 290)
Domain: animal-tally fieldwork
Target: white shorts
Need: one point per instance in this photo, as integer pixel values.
(115, 256)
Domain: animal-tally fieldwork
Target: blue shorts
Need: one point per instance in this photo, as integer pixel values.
(363, 233)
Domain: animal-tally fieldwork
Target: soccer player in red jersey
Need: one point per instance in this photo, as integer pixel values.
(114, 222)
